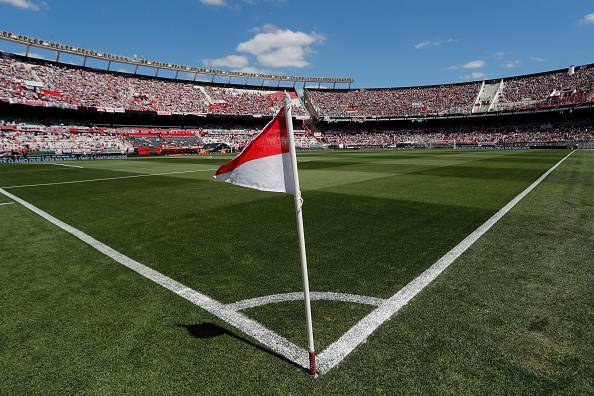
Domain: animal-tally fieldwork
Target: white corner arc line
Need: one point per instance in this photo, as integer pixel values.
(266, 337)
(6, 203)
(359, 333)
(298, 296)
(107, 178)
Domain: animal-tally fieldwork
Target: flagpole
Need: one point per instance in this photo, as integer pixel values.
(302, 254)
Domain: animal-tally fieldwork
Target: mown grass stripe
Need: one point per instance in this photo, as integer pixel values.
(266, 337)
(359, 333)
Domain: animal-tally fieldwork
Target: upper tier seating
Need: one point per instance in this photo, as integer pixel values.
(47, 84)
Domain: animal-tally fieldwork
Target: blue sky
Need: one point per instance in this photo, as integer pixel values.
(377, 42)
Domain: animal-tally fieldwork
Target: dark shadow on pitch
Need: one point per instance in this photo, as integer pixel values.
(210, 330)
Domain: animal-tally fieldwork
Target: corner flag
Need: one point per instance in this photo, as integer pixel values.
(269, 163)
(265, 163)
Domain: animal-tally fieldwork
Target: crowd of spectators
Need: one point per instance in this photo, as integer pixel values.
(24, 137)
(504, 136)
(540, 87)
(62, 143)
(49, 84)
(42, 83)
(35, 137)
(542, 90)
(400, 102)
(237, 139)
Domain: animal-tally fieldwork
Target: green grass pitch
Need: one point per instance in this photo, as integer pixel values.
(512, 315)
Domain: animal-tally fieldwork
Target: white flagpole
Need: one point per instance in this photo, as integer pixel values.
(302, 254)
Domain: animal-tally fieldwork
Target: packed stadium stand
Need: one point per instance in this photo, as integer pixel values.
(22, 138)
(54, 108)
(404, 102)
(551, 89)
(49, 84)
(27, 138)
(520, 137)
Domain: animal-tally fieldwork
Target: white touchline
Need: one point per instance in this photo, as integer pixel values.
(266, 337)
(107, 178)
(358, 334)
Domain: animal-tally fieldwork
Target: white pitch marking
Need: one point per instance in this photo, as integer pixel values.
(51, 163)
(6, 203)
(327, 296)
(266, 337)
(70, 166)
(358, 334)
(106, 178)
(336, 352)
(66, 165)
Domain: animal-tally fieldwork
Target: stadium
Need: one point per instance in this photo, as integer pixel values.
(449, 228)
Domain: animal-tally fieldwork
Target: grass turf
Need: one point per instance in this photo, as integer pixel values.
(511, 315)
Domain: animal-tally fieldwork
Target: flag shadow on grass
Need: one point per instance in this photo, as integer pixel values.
(208, 330)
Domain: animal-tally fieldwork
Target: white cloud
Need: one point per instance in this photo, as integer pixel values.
(475, 64)
(588, 18)
(272, 40)
(266, 28)
(511, 64)
(275, 47)
(23, 4)
(237, 4)
(214, 3)
(422, 44)
(499, 55)
(232, 61)
(434, 43)
(284, 57)
(537, 59)
(472, 76)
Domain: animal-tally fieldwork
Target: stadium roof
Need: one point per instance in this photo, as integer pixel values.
(85, 53)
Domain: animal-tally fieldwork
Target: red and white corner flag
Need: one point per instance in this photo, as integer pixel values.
(269, 163)
(265, 163)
